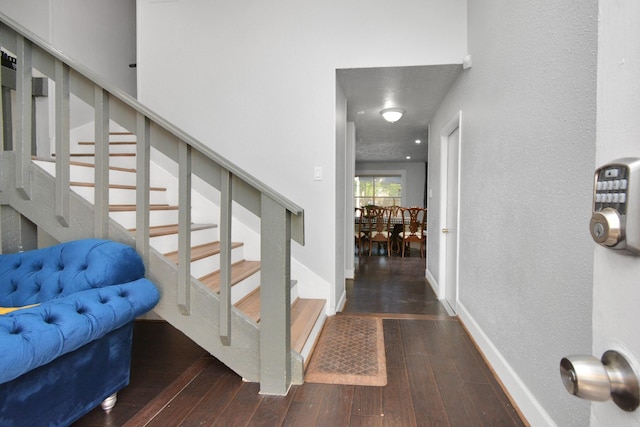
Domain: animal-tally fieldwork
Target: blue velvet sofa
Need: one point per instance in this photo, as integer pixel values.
(70, 349)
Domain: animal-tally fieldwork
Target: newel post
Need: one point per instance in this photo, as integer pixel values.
(275, 298)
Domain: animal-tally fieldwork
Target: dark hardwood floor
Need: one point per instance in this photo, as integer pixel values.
(436, 377)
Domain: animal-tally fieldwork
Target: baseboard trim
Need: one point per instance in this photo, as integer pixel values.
(521, 398)
(340, 304)
(433, 283)
(349, 273)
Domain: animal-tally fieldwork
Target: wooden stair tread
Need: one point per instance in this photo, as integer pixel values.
(250, 305)
(114, 186)
(165, 230)
(239, 271)
(93, 154)
(201, 251)
(304, 314)
(129, 208)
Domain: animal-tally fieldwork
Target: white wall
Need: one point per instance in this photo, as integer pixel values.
(528, 146)
(257, 83)
(413, 173)
(616, 290)
(100, 35)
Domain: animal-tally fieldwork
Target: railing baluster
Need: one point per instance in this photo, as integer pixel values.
(275, 298)
(101, 180)
(184, 227)
(62, 120)
(23, 113)
(226, 197)
(143, 179)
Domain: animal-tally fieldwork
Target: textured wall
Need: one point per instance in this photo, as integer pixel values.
(528, 148)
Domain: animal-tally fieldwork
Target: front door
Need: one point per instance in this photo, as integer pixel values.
(616, 282)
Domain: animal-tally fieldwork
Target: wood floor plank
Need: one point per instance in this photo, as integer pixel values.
(427, 403)
(272, 411)
(302, 414)
(243, 406)
(190, 396)
(160, 402)
(488, 413)
(335, 409)
(214, 401)
(364, 421)
(367, 401)
(452, 390)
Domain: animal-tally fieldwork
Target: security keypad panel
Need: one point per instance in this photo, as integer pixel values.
(615, 219)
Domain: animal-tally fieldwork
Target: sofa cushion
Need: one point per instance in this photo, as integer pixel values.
(34, 337)
(40, 275)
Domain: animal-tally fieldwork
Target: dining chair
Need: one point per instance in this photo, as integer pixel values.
(413, 231)
(380, 228)
(361, 229)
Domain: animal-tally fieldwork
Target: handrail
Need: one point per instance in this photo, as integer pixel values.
(170, 127)
(282, 220)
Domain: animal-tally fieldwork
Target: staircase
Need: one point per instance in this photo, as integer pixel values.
(245, 312)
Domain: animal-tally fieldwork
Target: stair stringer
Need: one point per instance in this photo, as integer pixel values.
(201, 325)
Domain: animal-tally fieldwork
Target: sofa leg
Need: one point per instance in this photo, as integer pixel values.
(108, 404)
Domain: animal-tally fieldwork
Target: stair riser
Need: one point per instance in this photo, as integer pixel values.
(114, 161)
(118, 196)
(245, 287)
(87, 174)
(113, 148)
(169, 243)
(156, 218)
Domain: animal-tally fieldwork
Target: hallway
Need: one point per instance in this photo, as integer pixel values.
(435, 375)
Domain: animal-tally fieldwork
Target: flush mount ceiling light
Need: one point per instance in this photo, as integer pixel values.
(392, 115)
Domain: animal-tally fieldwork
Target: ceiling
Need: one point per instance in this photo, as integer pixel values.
(418, 90)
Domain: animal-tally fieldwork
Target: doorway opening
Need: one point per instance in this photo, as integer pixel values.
(375, 147)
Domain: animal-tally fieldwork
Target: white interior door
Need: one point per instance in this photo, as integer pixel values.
(450, 229)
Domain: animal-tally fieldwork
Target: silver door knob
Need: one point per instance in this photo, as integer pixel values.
(610, 377)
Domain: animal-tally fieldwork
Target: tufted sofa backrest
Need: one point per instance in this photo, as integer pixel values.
(43, 274)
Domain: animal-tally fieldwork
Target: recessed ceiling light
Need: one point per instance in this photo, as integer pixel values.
(361, 112)
(408, 157)
(418, 141)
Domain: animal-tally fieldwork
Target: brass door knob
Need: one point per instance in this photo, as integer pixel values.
(445, 230)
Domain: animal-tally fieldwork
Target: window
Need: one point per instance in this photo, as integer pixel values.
(377, 190)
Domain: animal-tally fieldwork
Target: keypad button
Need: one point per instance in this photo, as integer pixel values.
(622, 198)
(616, 184)
(623, 184)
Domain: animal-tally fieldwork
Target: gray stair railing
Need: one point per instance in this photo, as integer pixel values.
(281, 219)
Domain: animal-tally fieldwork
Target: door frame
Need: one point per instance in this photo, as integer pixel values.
(454, 123)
